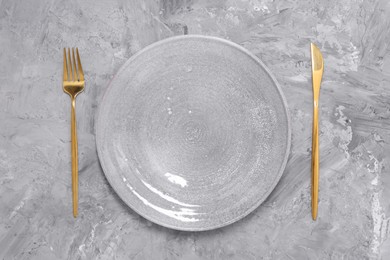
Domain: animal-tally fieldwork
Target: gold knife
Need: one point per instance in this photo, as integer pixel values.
(317, 65)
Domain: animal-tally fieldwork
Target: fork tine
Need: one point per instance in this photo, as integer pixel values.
(70, 66)
(76, 77)
(80, 71)
(65, 77)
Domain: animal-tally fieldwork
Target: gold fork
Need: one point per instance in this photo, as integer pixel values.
(73, 84)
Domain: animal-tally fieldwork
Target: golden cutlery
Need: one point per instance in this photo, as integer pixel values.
(317, 65)
(73, 84)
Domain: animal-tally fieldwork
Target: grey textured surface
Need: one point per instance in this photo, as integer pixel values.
(35, 193)
(193, 133)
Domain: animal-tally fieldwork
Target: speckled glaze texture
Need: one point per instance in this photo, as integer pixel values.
(193, 132)
(36, 219)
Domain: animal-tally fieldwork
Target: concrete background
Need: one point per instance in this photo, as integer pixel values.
(35, 181)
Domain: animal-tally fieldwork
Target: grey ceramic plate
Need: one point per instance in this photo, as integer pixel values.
(193, 133)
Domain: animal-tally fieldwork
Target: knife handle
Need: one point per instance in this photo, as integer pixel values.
(315, 162)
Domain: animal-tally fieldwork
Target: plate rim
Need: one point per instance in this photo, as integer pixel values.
(98, 120)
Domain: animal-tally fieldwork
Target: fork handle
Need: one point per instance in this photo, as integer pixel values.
(75, 181)
(315, 162)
